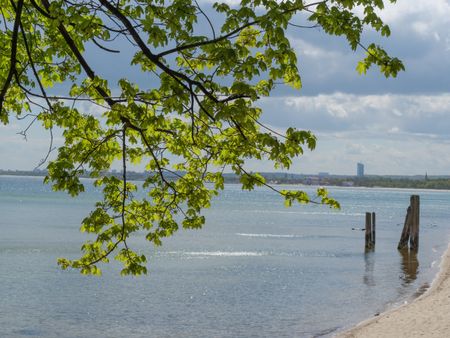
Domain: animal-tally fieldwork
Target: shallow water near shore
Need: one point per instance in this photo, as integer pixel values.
(257, 269)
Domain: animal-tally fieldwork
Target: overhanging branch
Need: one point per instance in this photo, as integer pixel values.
(13, 58)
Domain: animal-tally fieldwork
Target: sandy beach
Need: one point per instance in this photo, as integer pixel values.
(427, 316)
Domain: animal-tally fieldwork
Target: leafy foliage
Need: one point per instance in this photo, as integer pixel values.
(197, 116)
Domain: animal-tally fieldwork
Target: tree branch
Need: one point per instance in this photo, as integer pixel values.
(177, 76)
(80, 58)
(208, 42)
(13, 58)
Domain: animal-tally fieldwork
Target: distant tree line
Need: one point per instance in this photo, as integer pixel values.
(407, 182)
(389, 182)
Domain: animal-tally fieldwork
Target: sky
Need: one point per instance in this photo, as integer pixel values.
(395, 126)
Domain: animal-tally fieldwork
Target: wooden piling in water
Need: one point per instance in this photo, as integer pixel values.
(404, 238)
(369, 243)
(410, 231)
(373, 229)
(415, 216)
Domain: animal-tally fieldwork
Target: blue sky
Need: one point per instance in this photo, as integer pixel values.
(393, 126)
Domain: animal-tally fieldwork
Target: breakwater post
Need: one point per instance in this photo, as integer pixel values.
(373, 229)
(410, 231)
(370, 230)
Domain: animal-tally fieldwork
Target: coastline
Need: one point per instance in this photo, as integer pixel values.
(415, 182)
(426, 316)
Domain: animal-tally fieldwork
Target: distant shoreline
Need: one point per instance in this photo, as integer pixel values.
(370, 181)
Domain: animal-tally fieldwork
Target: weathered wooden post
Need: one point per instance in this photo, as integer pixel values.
(404, 238)
(411, 228)
(373, 229)
(368, 230)
(415, 216)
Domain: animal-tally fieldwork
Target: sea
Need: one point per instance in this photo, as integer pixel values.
(256, 269)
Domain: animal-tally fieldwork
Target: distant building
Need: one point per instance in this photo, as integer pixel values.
(324, 174)
(360, 170)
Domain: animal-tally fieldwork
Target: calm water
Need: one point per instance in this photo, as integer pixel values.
(257, 269)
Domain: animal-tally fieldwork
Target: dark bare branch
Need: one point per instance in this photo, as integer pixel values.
(13, 57)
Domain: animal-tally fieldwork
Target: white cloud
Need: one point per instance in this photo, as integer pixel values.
(424, 114)
(396, 112)
(355, 149)
(387, 132)
(401, 10)
(381, 155)
(422, 28)
(324, 61)
(428, 19)
(304, 47)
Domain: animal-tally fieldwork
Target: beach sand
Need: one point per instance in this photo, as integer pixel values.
(427, 316)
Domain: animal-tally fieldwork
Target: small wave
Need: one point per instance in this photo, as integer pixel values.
(420, 291)
(290, 236)
(268, 235)
(314, 254)
(336, 213)
(306, 254)
(219, 253)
